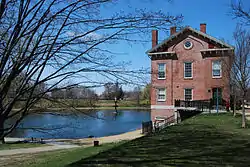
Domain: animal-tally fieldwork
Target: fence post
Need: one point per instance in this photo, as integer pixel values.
(150, 126)
(176, 115)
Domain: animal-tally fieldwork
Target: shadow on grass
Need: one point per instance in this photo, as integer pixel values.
(180, 145)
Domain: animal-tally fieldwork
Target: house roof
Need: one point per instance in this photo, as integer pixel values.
(194, 31)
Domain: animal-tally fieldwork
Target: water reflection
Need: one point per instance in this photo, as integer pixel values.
(79, 126)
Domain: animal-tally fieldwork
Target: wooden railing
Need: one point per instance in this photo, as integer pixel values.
(150, 127)
(194, 107)
(163, 124)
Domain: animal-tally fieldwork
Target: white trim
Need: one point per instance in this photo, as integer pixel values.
(191, 92)
(189, 29)
(164, 71)
(160, 118)
(217, 77)
(220, 69)
(191, 69)
(162, 107)
(157, 53)
(185, 108)
(171, 107)
(190, 47)
(216, 49)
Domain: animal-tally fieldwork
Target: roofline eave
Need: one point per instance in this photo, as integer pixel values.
(193, 30)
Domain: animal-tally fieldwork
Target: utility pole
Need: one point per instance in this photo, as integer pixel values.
(217, 100)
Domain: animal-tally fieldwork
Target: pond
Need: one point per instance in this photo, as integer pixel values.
(81, 125)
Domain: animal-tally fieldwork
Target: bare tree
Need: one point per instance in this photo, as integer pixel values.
(240, 73)
(53, 42)
(241, 12)
(146, 93)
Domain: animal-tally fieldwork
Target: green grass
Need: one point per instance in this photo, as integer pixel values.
(63, 157)
(9, 146)
(204, 140)
(83, 103)
(122, 108)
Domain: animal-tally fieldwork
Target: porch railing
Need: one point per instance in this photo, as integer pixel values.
(196, 104)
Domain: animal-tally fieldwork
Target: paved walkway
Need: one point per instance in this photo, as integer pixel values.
(69, 143)
(247, 113)
(36, 149)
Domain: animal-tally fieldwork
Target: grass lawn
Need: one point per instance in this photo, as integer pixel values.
(204, 140)
(58, 158)
(97, 105)
(9, 146)
(123, 108)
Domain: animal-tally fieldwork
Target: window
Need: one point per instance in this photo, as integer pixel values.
(188, 94)
(188, 70)
(161, 94)
(216, 68)
(188, 45)
(161, 71)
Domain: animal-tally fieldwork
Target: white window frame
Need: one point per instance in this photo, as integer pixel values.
(213, 69)
(185, 93)
(164, 71)
(191, 69)
(157, 94)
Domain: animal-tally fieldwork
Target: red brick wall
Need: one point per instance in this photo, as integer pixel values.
(166, 83)
(160, 112)
(202, 80)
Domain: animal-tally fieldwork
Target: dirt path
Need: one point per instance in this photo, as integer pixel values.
(36, 149)
(71, 143)
(109, 139)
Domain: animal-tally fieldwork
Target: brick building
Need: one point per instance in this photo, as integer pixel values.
(189, 65)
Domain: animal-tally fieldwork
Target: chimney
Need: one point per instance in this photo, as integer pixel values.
(172, 30)
(203, 27)
(154, 38)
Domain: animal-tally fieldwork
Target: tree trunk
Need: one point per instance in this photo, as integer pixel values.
(234, 105)
(243, 125)
(2, 141)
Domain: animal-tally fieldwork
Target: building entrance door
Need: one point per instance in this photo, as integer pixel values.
(217, 95)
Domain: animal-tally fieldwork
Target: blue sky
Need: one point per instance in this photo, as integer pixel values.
(215, 13)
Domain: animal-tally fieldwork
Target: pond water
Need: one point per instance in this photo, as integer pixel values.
(96, 123)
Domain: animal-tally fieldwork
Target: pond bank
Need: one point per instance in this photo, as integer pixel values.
(101, 108)
(88, 141)
(87, 108)
(102, 140)
(56, 144)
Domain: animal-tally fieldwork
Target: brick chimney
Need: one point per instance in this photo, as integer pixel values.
(203, 27)
(154, 38)
(172, 30)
